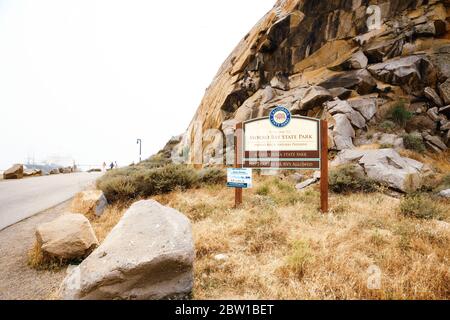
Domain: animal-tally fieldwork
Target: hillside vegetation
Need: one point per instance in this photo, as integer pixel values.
(279, 246)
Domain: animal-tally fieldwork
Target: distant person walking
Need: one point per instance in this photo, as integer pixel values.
(111, 166)
(115, 164)
(104, 167)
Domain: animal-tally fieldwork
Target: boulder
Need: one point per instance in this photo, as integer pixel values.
(91, 202)
(358, 60)
(32, 172)
(68, 237)
(15, 172)
(385, 166)
(360, 80)
(306, 183)
(389, 139)
(148, 255)
(432, 95)
(413, 73)
(341, 93)
(366, 106)
(434, 28)
(445, 193)
(54, 171)
(434, 141)
(444, 91)
(314, 96)
(339, 106)
(343, 132)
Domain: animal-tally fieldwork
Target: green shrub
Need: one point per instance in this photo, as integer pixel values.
(400, 115)
(414, 142)
(387, 126)
(263, 190)
(212, 176)
(350, 178)
(117, 188)
(145, 180)
(420, 207)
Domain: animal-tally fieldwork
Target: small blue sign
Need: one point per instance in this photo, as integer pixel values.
(240, 178)
(280, 117)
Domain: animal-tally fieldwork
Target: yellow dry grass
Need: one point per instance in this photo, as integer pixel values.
(279, 246)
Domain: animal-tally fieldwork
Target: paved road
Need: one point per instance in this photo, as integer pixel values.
(20, 199)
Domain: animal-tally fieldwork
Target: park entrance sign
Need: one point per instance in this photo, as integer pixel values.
(283, 141)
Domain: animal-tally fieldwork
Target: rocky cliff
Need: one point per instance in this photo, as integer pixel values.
(351, 61)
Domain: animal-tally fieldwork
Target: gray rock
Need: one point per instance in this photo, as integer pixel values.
(148, 255)
(413, 73)
(444, 91)
(433, 114)
(435, 140)
(430, 29)
(343, 126)
(431, 94)
(360, 80)
(385, 166)
(315, 96)
(390, 139)
(339, 106)
(445, 193)
(306, 183)
(366, 106)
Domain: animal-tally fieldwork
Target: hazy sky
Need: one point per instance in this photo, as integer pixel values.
(84, 79)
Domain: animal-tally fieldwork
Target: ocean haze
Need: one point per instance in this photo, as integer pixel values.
(85, 79)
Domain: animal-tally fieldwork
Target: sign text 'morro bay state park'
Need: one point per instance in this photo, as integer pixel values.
(296, 145)
(284, 141)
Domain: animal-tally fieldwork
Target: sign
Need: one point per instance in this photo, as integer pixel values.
(240, 178)
(281, 142)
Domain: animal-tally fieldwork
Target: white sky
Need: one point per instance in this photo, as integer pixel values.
(84, 79)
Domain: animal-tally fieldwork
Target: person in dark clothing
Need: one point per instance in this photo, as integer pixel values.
(111, 166)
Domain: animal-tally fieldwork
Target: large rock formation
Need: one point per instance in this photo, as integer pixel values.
(148, 255)
(305, 53)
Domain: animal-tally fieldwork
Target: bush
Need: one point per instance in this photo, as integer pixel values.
(151, 178)
(414, 142)
(387, 126)
(400, 115)
(419, 207)
(263, 190)
(350, 178)
(212, 176)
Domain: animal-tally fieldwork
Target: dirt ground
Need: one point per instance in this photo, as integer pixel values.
(17, 280)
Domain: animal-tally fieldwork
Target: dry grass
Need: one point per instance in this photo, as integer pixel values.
(279, 245)
(291, 251)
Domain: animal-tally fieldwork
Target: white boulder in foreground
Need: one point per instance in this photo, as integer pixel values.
(148, 255)
(68, 237)
(385, 166)
(89, 202)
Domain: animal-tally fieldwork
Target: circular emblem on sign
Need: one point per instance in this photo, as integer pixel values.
(280, 117)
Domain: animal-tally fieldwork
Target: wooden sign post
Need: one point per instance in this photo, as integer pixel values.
(324, 166)
(283, 141)
(238, 163)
